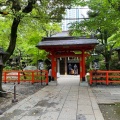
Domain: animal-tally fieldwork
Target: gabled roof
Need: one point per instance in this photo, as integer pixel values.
(67, 43)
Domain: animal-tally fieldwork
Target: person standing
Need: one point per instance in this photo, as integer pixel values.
(75, 69)
(69, 68)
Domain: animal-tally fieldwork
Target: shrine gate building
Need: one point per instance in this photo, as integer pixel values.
(66, 47)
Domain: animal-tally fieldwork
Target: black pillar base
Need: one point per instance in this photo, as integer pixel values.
(53, 78)
(83, 78)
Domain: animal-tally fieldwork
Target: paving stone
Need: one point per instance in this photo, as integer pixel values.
(68, 113)
(49, 116)
(67, 101)
(56, 108)
(84, 102)
(98, 115)
(73, 93)
(85, 117)
(65, 119)
(30, 118)
(70, 104)
(72, 98)
(84, 109)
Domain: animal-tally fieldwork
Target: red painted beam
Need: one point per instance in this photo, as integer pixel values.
(68, 55)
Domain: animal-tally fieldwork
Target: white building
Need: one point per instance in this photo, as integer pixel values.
(73, 15)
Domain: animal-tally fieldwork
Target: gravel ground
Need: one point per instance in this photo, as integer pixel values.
(22, 91)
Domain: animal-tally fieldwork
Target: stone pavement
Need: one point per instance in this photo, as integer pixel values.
(66, 101)
(106, 94)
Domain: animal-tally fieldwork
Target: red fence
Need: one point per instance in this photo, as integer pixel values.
(104, 77)
(25, 76)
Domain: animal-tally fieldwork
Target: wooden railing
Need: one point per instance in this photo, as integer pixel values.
(104, 77)
(25, 76)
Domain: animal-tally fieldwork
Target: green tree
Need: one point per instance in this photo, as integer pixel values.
(103, 23)
(45, 10)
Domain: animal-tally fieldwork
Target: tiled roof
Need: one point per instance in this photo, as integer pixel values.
(66, 41)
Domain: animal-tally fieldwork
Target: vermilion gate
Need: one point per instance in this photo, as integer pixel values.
(66, 47)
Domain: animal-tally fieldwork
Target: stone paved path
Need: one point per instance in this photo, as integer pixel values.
(106, 94)
(66, 101)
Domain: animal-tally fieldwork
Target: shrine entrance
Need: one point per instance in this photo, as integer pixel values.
(66, 47)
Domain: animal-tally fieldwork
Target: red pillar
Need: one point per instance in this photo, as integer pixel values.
(80, 69)
(54, 67)
(83, 66)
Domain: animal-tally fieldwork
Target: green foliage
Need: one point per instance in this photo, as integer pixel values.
(33, 33)
(30, 32)
(4, 31)
(7, 68)
(104, 24)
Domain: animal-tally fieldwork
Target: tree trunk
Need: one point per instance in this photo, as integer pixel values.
(13, 35)
(107, 64)
(2, 92)
(119, 55)
(10, 49)
(107, 53)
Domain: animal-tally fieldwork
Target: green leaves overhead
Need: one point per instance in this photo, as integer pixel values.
(115, 4)
(103, 23)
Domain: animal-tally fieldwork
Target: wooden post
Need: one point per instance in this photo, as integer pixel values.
(18, 77)
(32, 77)
(54, 67)
(80, 69)
(83, 66)
(5, 77)
(107, 82)
(46, 77)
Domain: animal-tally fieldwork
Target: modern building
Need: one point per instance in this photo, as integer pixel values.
(73, 15)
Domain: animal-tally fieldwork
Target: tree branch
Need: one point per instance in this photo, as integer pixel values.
(13, 37)
(14, 28)
(29, 6)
